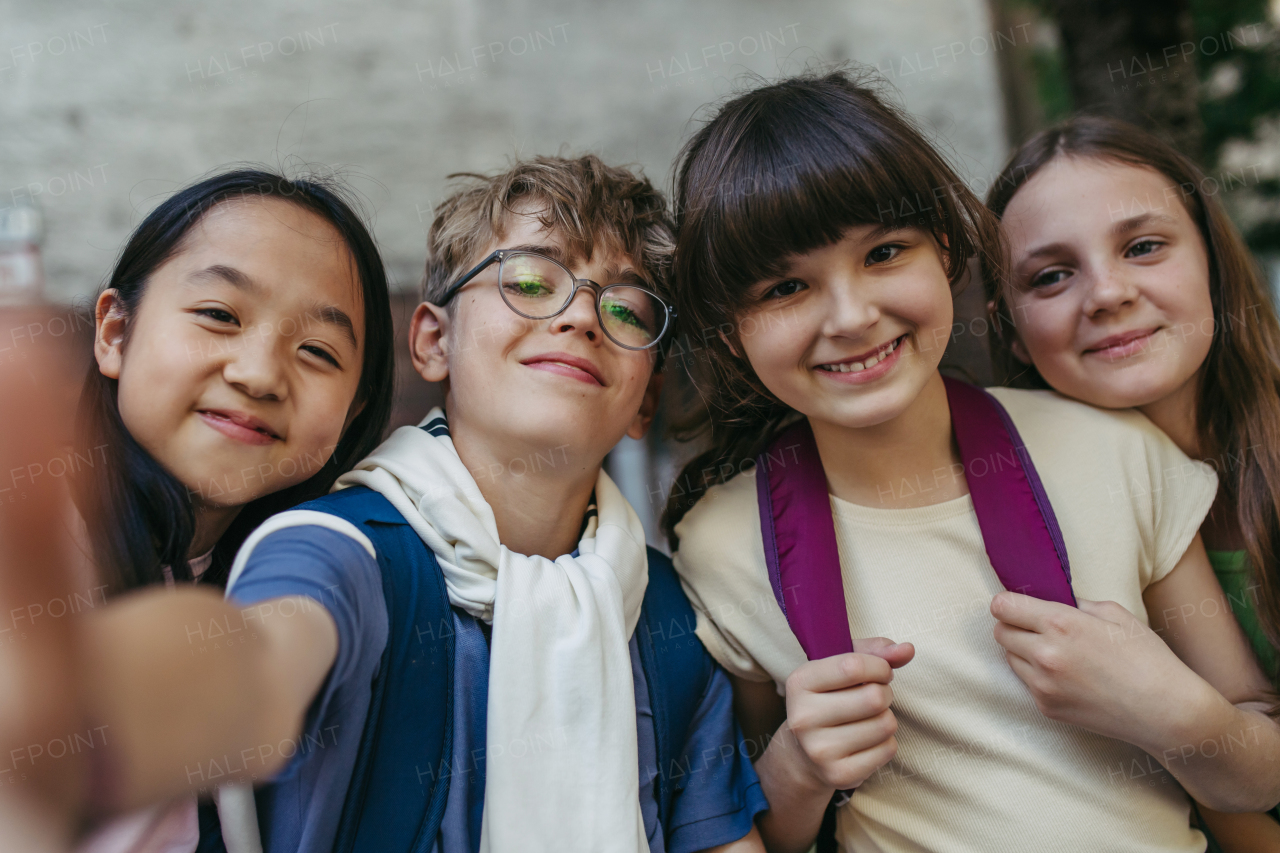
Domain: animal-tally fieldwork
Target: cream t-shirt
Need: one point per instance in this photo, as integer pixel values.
(978, 768)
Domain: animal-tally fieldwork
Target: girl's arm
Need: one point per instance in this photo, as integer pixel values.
(836, 731)
(1195, 700)
(1242, 833)
(749, 843)
(171, 698)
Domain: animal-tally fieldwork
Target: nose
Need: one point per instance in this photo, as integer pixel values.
(1110, 290)
(256, 366)
(849, 312)
(579, 316)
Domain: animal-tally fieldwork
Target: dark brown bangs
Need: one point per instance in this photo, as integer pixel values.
(791, 167)
(780, 171)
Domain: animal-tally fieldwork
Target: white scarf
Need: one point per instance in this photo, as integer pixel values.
(561, 759)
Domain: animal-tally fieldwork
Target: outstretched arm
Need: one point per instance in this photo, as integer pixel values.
(168, 704)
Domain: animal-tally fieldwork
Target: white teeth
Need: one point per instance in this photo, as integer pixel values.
(859, 366)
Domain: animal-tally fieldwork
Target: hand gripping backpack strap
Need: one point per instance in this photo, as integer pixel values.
(1019, 530)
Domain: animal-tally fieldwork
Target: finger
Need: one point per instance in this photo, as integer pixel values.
(828, 747)
(1106, 610)
(840, 671)
(1017, 640)
(840, 707)
(895, 654)
(1023, 668)
(1023, 611)
(856, 769)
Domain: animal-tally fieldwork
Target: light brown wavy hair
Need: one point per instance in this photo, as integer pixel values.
(595, 207)
(1238, 408)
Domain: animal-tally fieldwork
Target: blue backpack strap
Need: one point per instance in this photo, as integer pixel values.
(397, 794)
(677, 669)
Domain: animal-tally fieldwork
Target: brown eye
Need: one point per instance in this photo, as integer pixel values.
(1142, 247)
(217, 315)
(784, 289)
(1047, 279)
(881, 254)
(324, 354)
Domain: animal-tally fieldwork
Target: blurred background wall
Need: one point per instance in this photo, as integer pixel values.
(106, 107)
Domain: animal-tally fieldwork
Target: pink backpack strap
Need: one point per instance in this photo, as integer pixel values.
(1018, 526)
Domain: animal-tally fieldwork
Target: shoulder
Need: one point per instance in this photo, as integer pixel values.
(1105, 443)
(722, 566)
(724, 520)
(1038, 412)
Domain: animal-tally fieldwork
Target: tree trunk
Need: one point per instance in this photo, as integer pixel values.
(1135, 60)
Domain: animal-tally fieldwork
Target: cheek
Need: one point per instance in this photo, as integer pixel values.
(158, 383)
(771, 346)
(319, 421)
(1045, 327)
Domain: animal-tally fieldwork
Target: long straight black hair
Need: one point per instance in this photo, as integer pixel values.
(782, 170)
(139, 516)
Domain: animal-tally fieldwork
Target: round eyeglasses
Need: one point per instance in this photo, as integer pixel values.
(539, 288)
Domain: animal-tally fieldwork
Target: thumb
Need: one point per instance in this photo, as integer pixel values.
(895, 654)
(1106, 610)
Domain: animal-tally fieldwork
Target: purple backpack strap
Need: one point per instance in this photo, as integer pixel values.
(1020, 532)
(1018, 526)
(800, 542)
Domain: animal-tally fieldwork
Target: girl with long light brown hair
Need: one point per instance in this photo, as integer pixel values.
(1128, 286)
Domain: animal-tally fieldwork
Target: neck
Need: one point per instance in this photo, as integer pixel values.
(910, 460)
(538, 509)
(211, 523)
(1175, 414)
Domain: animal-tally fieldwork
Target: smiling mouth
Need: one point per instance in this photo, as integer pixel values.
(249, 431)
(865, 362)
(1121, 346)
(567, 365)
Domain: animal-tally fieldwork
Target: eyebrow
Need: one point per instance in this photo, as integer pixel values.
(1127, 226)
(555, 253)
(226, 274)
(1119, 229)
(612, 274)
(330, 315)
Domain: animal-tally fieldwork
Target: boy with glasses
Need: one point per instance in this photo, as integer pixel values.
(513, 669)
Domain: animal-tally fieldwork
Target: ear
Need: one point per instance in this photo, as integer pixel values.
(648, 407)
(1016, 346)
(109, 333)
(428, 342)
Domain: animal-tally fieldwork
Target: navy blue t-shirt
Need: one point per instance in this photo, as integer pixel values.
(299, 811)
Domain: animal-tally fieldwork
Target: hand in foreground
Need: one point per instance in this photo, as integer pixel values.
(838, 712)
(39, 706)
(1097, 666)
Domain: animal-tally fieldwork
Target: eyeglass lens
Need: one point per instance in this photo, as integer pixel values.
(537, 288)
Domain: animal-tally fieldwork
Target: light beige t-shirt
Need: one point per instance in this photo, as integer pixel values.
(978, 767)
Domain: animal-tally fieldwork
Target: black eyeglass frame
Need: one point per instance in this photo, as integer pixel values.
(501, 255)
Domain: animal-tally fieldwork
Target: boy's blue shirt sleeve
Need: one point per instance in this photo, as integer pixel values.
(719, 794)
(337, 572)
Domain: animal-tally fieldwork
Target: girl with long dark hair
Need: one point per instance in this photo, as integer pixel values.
(242, 361)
